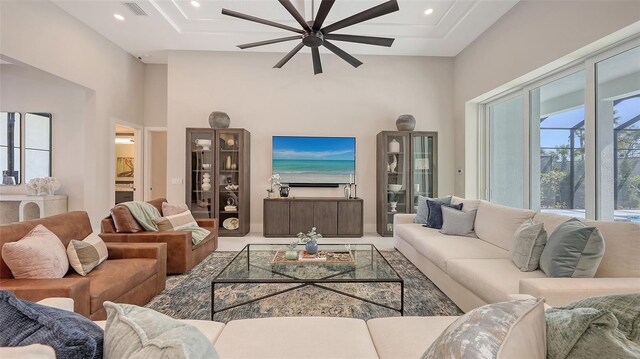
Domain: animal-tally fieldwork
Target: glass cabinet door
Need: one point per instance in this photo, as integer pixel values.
(202, 161)
(229, 180)
(397, 155)
(422, 156)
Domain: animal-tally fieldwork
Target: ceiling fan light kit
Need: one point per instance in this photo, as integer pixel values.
(313, 35)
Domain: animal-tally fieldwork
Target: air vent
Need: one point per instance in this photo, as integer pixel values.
(135, 8)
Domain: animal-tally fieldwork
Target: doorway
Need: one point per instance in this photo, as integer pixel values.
(156, 163)
(127, 164)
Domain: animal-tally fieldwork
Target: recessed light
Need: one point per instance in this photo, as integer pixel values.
(194, 3)
(428, 12)
(118, 17)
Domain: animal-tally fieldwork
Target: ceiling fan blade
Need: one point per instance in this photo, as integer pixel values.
(323, 11)
(294, 12)
(268, 42)
(376, 11)
(260, 21)
(317, 65)
(346, 57)
(288, 56)
(369, 40)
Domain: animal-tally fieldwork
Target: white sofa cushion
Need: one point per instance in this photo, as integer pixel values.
(622, 249)
(33, 351)
(496, 224)
(440, 248)
(406, 337)
(302, 337)
(468, 205)
(490, 279)
(551, 221)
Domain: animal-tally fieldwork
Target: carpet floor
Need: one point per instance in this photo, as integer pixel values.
(188, 296)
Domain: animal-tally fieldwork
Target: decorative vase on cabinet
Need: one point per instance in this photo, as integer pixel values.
(218, 174)
(404, 172)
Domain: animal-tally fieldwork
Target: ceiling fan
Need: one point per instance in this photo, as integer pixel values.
(313, 35)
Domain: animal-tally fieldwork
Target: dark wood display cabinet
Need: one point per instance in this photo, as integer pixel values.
(218, 170)
(407, 167)
(332, 217)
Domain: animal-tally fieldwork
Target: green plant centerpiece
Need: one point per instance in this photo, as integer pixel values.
(291, 253)
(310, 239)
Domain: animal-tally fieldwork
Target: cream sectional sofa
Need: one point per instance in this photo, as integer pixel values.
(477, 271)
(299, 337)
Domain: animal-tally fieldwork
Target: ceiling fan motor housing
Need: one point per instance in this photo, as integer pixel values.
(313, 39)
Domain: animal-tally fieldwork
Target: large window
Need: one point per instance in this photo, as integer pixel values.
(570, 143)
(618, 136)
(506, 152)
(557, 146)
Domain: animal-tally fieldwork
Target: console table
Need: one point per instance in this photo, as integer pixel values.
(332, 216)
(48, 205)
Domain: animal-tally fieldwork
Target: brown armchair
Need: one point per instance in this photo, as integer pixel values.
(133, 273)
(182, 254)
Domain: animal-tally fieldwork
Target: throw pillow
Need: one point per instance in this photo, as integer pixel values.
(499, 330)
(528, 243)
(458, 223)
(69, 334)
(435, 213)
(133, 331)
(573, 250)
(38, 255)
(123, 220)
(625, 307)
(422, 214)
(169, 209)
(606, 330)
(175, 222)
(86, 254)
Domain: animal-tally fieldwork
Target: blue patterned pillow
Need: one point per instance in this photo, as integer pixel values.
(422, 214)
(69, 334)
(435, 213)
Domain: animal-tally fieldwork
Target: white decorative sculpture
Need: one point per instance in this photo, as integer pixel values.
(392, 166)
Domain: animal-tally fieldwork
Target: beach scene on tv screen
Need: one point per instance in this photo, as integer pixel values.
(314, 159)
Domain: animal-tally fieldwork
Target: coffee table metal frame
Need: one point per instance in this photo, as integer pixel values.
(304, 282)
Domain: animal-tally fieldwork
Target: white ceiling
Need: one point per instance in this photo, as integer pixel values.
(177, 25)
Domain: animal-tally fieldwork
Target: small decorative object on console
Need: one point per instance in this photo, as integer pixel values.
(218, 119)
(406, 123)
(310, 239)
(284, 191)
(274, 181)
(43, 186)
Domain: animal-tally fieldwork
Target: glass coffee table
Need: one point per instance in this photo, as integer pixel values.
(266, 264)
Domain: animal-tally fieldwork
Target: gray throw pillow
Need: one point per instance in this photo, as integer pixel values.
(458, 223)
(597, 327)
(422, 214)
(573, 250)
(528, 243)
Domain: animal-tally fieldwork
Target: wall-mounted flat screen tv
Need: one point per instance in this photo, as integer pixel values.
(314, 161)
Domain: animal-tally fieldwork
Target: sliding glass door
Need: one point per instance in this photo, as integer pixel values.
(557, 143)
(506, 152)
(618, 136)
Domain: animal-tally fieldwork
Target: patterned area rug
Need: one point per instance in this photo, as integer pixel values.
(188, 296)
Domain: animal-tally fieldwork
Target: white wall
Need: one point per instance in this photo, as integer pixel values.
(24, 89)
(155, 95)
(531, 35)
(40, 34)
(292, 101)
